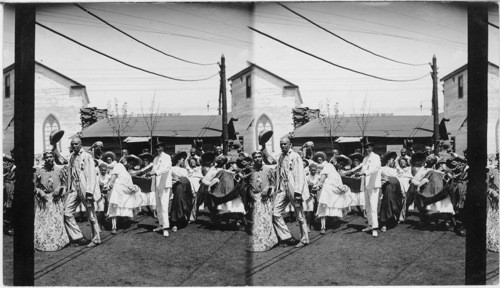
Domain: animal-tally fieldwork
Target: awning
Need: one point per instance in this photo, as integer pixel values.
(136, 139)
(348, 139)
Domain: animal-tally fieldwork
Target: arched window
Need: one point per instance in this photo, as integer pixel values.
(50, 124)
(264, 123)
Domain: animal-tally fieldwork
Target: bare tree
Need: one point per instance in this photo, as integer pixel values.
(152, 118)
(331, 121)
(120, 120)
(363, 119)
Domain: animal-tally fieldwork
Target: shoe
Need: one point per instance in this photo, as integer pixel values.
(81, 242)
(174, 229)
(165, 233)
(113, 231)
(367, 229)
(301, 244)
(92, 244)
(374, 233)
(322, 232)
(459, 232)
(384, 229)
(291, 241)
(157, 229)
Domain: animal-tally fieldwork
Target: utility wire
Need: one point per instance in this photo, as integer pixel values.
(496, 26)
(331, 63)
(137, 40)
(119, 61)
(347, 41)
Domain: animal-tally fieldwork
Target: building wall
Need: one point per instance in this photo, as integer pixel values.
(456, 110)
(53, 96)
(269, 98)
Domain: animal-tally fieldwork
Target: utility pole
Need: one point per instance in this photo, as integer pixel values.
(24, 131)
(477, 123)
(224, 104)
(435, 105)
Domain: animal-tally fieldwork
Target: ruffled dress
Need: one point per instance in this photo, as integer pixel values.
(333, 196)
(125, 196)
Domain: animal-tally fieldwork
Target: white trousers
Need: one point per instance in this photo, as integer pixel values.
(72, 201)
(371, 203)
(281, 201)
(162, 202)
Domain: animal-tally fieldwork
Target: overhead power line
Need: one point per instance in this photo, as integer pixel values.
(496, 26)
(331, 63)
(137, 40)
(119, 61)
(347, 41)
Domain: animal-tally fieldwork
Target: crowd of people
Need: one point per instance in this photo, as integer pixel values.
(256, 190)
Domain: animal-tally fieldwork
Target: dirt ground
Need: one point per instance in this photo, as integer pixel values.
(201, 256)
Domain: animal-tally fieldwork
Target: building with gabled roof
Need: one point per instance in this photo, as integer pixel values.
(455, 107)
(262, 100)
(58, 100)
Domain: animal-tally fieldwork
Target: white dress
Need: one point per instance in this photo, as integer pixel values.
(125, 196)
(331, 201)
(148, 197)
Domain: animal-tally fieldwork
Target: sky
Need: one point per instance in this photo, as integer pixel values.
(201, 32)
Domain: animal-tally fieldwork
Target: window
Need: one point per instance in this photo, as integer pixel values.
(50, 124)
(460, 87)
(248, 86)
(7, 86)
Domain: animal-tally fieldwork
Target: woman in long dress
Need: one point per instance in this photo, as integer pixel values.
(392, 196)
(50, 233)
(194, 176)
(182, 194)
(333, 196)
(125, 196)
(261, 180)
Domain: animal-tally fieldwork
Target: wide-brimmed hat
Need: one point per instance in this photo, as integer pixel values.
(319, 154)
(7, 158)
(108, 154)
(431, 160)
(133, 160)
(159, 144)
(147, 156)
(308, 144)
(389, 155)
(97, 144)
(245, 156)
(55, 136)
(306, 162)
(417, 157)
(450, 164)
(342, 157)
(446, 144)
(264, 136)
(358, 156)
(222, 159)
(180, 155)
(207, 157)
(367, 143)
(459, 158)
(230, 161)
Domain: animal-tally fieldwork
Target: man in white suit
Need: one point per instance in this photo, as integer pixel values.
(162, 185)
(290, 180)
(372, 179)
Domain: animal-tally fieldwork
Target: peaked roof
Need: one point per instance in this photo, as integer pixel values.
(379, 126)
(253, 66)
(460, 69)
(189, 126)
(11, 67)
